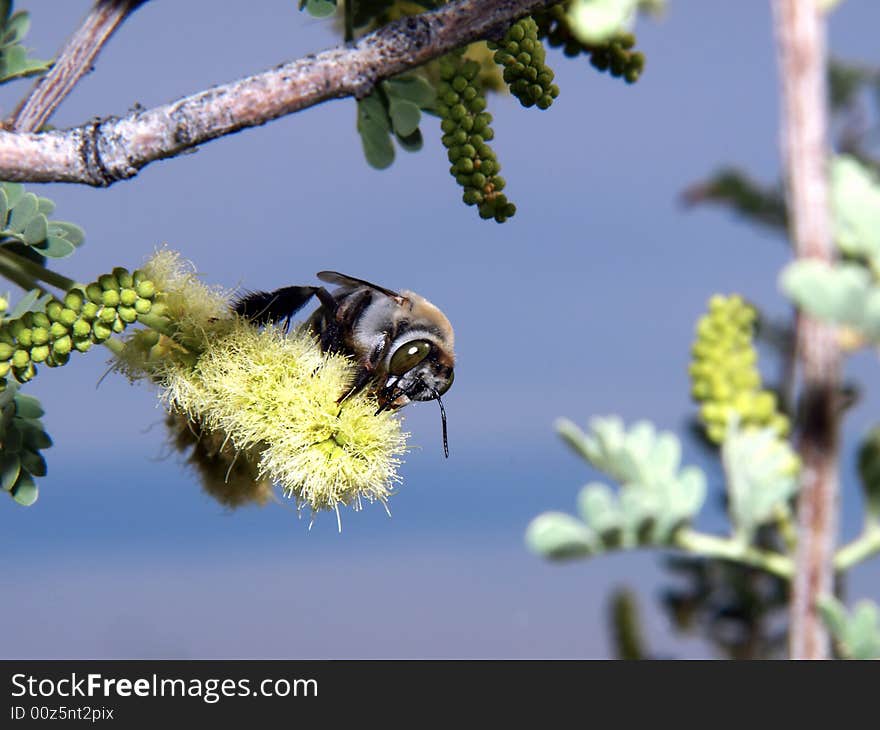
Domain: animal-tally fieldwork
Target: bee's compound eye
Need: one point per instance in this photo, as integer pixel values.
(407, 356)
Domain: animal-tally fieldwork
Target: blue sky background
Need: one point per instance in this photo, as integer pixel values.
(583, 304)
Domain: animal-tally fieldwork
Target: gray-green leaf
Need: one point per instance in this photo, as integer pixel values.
(559, 536)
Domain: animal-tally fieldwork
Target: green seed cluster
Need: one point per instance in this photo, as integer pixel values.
(83, 318)
(724, 373)
(615, 56)
(522, 55)
(462, 106)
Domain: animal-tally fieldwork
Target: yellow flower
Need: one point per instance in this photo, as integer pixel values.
(271, 396)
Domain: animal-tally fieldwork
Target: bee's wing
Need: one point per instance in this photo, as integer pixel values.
(334, 277)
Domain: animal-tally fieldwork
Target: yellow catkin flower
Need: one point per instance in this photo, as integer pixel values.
(271, 396)
(724, 372)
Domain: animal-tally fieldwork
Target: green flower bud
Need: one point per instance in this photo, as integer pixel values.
(5, 367)
(107, 315)
(127, 314)
(146, 289)
(83, 345)
(20, 358)
(143, 306)
(53, 310)
(74, 300)
(94, 292)
(124, 278)
(81, 328)
(90, 311)
(62, 346)
(40, 335)
(25, 337)
(108, 282)
(6, 351)
(41, 320)
(39, 353)
(56, 330)
(101, 331)
(110, 298)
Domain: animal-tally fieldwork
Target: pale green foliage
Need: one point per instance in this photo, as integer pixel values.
(14, 60)
(559, 536)
(857, 634)
(23, 437)
(24, 220)
(654, 499)
(596, 21)
(844, 294)
(855, 197)
(761, 472)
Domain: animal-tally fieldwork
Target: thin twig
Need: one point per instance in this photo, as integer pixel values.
(722, 548)
(104, 152)
(800, 32)
(74, 61)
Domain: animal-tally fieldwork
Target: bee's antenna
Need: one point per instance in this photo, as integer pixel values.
(442, 417)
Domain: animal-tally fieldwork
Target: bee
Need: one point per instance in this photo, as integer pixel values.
(400, 342)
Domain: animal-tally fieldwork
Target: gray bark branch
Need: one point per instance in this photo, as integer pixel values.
(104, 152)
(800, 30)
(74, 61)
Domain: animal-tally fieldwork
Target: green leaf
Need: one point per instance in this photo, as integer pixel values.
(33, 462)
(14, 192)
(373, 108)
(377, 145)
(25, 304)
(857, 634)
(413, 143)
(655, 497)
(559, 536)
(25, 491)
(23, 212)
(14, 63)
(598, 508)
(10, 467)
(17, 27)
(4, 208)
(869, 471)
(33, 435)
(319, 8)
(36, 230)
(596, 21)
(855, 198)
(374, 126)
(761, 472)
(412, 88)
(70, 231)
(843, 293)
(13, 438)
(405, 116)
(45, 206)
(56, 248)
(26, 406)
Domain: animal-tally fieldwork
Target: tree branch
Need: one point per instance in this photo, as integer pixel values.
(800, 31)
(74, 61)
(103, 152)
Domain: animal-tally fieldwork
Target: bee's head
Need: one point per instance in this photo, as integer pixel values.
(417, 370)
